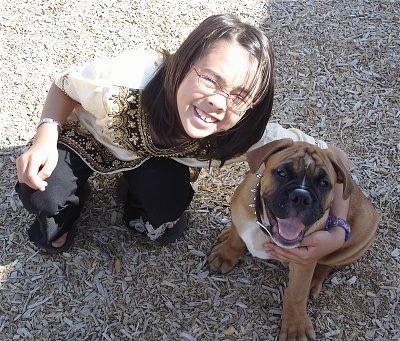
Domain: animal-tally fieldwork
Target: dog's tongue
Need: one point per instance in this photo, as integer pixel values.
(290, 228)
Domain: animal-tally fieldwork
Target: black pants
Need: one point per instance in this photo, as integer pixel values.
(160, 188)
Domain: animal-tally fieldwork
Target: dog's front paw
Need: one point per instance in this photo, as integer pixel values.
(297, 329)
(223, 258)
(224, 234)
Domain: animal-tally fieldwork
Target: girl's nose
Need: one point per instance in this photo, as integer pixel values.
(218, 101)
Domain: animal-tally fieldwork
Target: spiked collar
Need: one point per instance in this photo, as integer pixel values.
(258, 207)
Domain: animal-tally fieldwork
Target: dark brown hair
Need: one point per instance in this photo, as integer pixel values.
(159, 96)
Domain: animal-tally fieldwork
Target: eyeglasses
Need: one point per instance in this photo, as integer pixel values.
(236, 103)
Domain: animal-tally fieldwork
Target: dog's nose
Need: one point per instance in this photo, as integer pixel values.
(300, 197)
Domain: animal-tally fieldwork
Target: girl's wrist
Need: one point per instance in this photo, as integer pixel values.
(338, 233)
(335, 221)
(50, 121)
(46, 132)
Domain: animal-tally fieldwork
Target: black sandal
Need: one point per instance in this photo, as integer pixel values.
(69, 228)
(174, 233)
(48, 248)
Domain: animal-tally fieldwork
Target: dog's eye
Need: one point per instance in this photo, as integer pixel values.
(324, 183)
(282, 173)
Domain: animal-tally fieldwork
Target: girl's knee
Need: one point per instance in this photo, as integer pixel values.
(38, 202)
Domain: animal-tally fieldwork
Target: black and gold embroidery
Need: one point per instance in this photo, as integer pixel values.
(127, 128)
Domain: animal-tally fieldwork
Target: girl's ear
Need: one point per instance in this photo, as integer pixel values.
(257, 156)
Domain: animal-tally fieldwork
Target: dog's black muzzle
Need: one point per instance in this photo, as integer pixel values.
(296, 201)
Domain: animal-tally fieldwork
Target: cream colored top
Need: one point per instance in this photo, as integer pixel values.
(109, 130)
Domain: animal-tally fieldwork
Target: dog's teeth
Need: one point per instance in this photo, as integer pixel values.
(253, 190)
(252, 205)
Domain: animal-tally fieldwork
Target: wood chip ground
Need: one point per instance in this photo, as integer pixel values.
(337, 65)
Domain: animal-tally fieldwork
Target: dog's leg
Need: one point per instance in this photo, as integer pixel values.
(296, 325)
(225, 255)
(320, 274)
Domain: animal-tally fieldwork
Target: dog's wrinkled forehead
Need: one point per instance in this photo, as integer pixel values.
(302, 161)
(302, 158)
(302, 154)
(307, 160)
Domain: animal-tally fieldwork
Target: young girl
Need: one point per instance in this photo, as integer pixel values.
(153, 119)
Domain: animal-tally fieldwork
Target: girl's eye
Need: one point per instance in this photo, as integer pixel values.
(209, 82)
(238, 100)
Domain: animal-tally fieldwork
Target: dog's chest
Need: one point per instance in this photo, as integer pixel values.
(254, 239)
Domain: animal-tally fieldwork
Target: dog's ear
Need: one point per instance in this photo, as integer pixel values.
(257, 156)
(343, 176)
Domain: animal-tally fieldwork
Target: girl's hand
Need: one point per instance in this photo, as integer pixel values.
(312, 248)
(38, 162)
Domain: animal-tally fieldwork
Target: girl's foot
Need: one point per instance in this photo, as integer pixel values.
(57, 247)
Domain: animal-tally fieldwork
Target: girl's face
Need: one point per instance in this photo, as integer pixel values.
(202, 110)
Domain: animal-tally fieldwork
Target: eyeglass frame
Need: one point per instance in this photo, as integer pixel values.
(223, 93)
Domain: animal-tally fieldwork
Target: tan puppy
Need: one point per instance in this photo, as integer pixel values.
(292, 195)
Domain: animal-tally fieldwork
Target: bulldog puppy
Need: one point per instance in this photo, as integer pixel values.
(287, 195)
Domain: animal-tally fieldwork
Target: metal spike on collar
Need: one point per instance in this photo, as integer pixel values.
(254, 190)
(253, 205)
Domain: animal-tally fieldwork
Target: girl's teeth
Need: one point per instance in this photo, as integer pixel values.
(205, 118)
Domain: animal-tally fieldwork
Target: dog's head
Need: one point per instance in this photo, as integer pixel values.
(296, 187)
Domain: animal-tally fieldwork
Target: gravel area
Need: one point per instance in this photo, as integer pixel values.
(337, 79)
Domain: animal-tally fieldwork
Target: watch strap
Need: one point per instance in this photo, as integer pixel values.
(334, 220)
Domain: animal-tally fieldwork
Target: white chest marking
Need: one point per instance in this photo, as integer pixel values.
(254, 239)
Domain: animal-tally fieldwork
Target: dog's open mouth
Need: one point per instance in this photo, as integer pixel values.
(287, 232)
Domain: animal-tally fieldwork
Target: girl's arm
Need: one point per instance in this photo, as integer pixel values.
(38, 162)
(319, 243)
